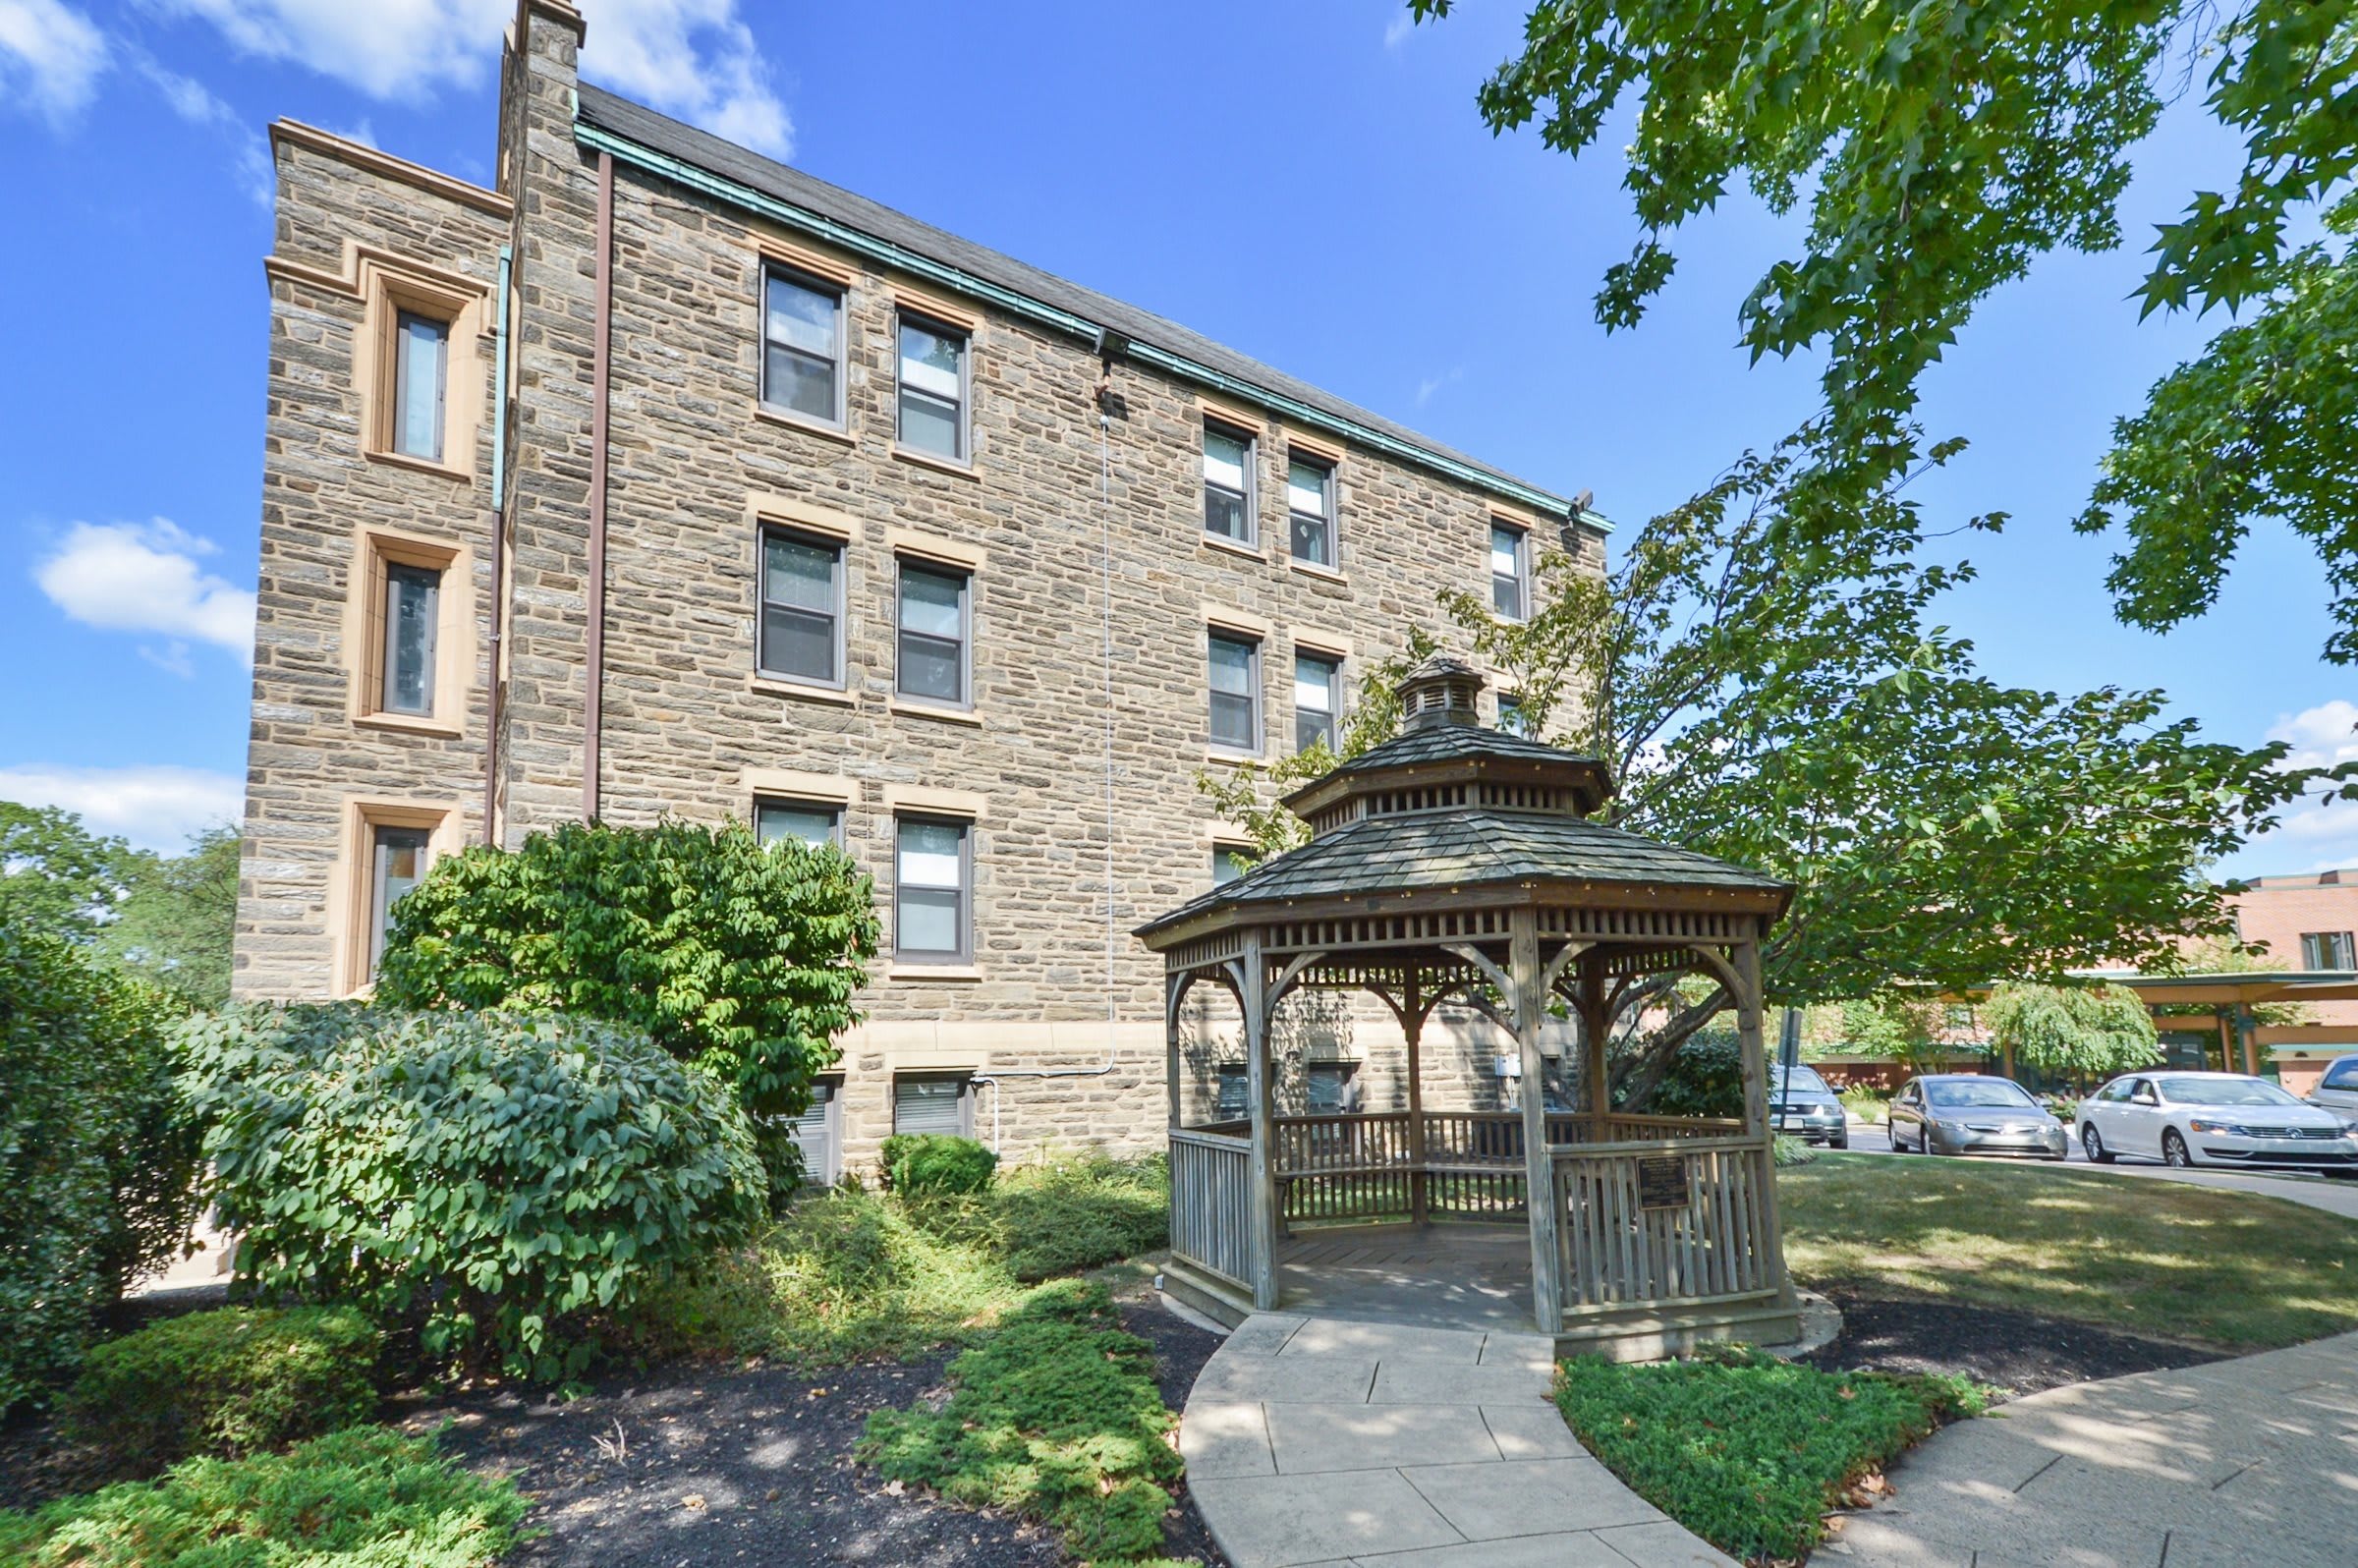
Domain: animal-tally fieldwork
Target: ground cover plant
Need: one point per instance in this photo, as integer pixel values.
(227, 1383)
(2163, 1260)
(918, 1163)
(1745, 1450)
(1054, 1415)
(366, 1497)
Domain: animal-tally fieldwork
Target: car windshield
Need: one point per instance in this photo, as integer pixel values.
(1803, 1079)
(1960, 1093)
(2223, 1092)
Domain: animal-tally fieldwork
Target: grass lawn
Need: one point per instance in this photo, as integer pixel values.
(2164, 1259)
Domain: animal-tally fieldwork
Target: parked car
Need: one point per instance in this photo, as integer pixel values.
(2337, 1091)
(2211, 1119)
(1803, 1106)
(1971, 1113)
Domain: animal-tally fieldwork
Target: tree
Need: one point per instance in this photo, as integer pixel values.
(2082, 1033)
(739, 957)
(55, 875)
(1941, 149)
(1771, 692)
(178, 915)
(1898, 1028)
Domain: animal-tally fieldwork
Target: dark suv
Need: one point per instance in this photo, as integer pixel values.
(1802, 1106)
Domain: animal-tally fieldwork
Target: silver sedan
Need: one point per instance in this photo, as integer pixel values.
(1967, 1113)
(2212, 1119)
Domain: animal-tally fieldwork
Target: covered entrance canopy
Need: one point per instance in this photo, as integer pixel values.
(1456, 862)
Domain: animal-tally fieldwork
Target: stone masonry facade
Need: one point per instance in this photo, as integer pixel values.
(1065, 521)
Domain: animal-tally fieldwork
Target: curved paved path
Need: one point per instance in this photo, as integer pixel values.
(1310, 1440)
(2237, 1464)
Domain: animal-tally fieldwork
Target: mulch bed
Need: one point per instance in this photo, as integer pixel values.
(700, 1467)
(2018, 1352)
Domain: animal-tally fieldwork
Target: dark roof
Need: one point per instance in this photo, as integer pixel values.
(1450, 743)
(1466, 849)
(709, 152)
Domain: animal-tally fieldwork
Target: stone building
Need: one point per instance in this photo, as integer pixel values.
(665, 479)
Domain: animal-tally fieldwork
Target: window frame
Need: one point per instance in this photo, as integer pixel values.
(1226, 849)
(829, 1111)
(964, 954)
(773, 269)
(367, 631)
(392, 288)
(905, 314)
(832, 810)
(1330, 524)
(1512, 703)
(1345, 1074)
(1250, 500)
(962, 1077)
(1255, 679)
(1333, 730)
(391, 572)
(354, 897)
(1522, 575)
(2328, 946)
(816, 539)
(931, 565)
(380, 908)
(446, 328)
(1224, 1074)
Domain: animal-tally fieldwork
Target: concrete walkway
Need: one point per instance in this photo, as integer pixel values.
(1310, 1440)
(2231, 1465)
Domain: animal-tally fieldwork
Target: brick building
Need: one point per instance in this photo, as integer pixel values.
(664, 478)
(2307, 923)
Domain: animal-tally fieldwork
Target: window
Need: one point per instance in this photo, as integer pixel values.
(938, 1103)
(934, 385)
(813, 822)
(2327, 950)
(396, 860)
(2341, 1075)
(801, 346)
(933, 611)
(1511, 718)
(1510, 571)
(818, 1132)
(421, 370)
(1228, 863)
(802, 607)
(1228, 462)
(413, 609)
(1235, 692)
(1235, 1102)
(1317, 698)
(1310, 507)
(1333, 1090)
(931, 878)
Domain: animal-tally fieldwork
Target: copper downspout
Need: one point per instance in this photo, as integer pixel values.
(500, 485)
(595, 593)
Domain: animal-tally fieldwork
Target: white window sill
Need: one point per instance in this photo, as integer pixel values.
(407, 724)
(1234, 758)
(802, 425)
(775, 686)
(1251, 552)
(904, 970)
(419, 465)
(915, 708)
(1312, 569)
(934, 461)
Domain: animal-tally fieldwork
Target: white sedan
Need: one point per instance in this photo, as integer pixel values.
(2211, 1119)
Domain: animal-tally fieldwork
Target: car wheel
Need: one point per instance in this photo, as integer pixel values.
(2174, 1150)
(1838, 1143)
(2094, 1143)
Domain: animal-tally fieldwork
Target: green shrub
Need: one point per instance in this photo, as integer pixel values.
(365, 1497)
(1704, 1078)
(489, 1180)
(738, 956)
(1747, 1451)
(97, 1152)
(919, 1164)
(228, 1384)
(1062, 1216)
(1868, 1102)
(1054, 1415)
(1785, 1150)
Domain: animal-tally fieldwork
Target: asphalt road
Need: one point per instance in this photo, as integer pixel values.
(2335, 1195)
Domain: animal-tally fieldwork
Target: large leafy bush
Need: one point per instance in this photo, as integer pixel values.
(919, 1164)
(738, 956)
(1706, 1078)
(97, 1154)
(229, 1383)
(366, 1497)
(491, 1178)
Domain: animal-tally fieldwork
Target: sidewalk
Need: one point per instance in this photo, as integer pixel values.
(2237, 1463)
(1381, 1446)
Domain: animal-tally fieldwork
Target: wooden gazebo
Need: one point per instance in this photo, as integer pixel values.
(1456, 864)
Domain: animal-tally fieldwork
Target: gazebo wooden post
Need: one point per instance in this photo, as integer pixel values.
(1748, 1007)
(1173, 988)
(1530, 1003)
(1261, 1174)
(1592, 1026)
(1412, 1027)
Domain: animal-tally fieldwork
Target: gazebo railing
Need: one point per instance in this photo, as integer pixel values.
(1211, 1202)
(1706, 1239)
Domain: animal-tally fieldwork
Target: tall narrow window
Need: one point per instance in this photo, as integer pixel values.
(801, 346)
(802, 609)
(933, 610)
(932, 382)
(1310, 506)
(421, 362)
(809, 823)
(413, 606)
(1227, 484)
(1317, 698)
(1510, 571)
(932, 913)
(1235, 693)
(397, 863)
(2327, 950)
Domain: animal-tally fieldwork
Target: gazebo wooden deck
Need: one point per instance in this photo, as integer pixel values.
(1455, 863)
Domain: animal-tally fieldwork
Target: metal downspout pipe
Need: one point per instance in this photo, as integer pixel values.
(499, 539)
(595, 584)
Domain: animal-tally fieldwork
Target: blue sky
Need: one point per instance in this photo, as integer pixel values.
(1309, 183)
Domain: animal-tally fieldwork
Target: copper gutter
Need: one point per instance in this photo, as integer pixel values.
(594, 588)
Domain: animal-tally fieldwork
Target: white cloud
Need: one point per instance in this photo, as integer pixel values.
(693, 58)
(1431, 384)
(2317, 834)
(50, 57)
(196, 103)
(135, 577)
(1396, 31)
(154, 806)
